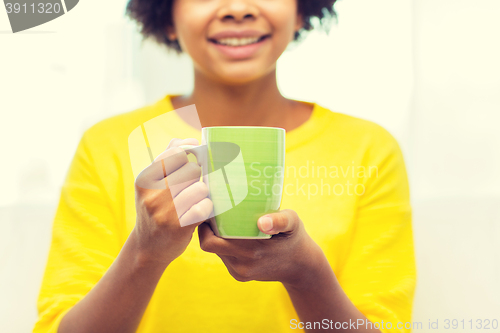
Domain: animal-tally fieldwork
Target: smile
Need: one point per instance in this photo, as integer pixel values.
(236, 42)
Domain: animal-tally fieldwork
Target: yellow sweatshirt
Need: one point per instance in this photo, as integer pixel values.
(345, 177)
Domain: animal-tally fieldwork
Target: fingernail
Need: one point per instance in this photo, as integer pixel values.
(266, 223)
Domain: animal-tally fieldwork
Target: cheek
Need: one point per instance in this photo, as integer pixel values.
(281, 39)
(283, 21)
(190, 23)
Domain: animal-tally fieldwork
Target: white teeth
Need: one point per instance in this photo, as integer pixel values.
(238, 41)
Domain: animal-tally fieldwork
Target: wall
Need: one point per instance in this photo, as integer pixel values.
(455, 159)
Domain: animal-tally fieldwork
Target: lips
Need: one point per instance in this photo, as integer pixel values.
(240, 52)
(239, 44)
(238, 34)
(238, 38)
(235, 42)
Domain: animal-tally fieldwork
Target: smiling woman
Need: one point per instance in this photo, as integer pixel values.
(120, 259)
(156, 15)
(260, 30)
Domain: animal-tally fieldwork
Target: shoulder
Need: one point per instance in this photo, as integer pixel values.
(355, 127)
(113, 132)
(124, 123)
(368, 144)
(356, 133)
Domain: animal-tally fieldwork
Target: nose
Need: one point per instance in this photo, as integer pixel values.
(238, 10)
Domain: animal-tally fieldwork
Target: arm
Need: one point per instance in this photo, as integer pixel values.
(379, 272)
(320, 298)
(118, 301)
(307, 275)
(91, 282)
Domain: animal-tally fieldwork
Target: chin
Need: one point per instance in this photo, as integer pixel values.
(240, 79)
(242, 75)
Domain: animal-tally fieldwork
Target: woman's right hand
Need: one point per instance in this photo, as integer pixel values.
(167, 214)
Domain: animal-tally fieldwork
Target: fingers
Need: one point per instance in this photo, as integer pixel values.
(183, 177)
(170, 160)
(172, 157)
(174, 146)
(189, 197)
(284, 221)
(197, 213)
(209, 242)
(241, 248)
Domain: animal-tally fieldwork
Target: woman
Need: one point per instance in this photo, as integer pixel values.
(341, 254)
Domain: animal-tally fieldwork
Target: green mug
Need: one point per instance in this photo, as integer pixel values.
(243, 167)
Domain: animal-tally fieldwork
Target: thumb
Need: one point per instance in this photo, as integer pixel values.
(284, 221)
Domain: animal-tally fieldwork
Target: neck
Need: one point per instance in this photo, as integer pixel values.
(258, 103)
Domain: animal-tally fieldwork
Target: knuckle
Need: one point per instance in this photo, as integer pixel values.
(197, 213)
(203, 188)
(193, 166)
(293, 214)
(158, 217)
(176, 150)
(155, 200)
(148, 201)
(284, 218)
(194, 169)
(174, 142)
(206, 246)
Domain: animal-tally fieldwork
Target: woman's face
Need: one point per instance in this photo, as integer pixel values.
(235, 41)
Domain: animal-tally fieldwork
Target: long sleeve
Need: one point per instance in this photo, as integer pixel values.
(379, 275)
(84, 242)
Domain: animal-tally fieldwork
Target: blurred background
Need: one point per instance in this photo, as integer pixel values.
(427, 70)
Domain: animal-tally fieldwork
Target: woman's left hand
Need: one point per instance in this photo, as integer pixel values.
(289, 256)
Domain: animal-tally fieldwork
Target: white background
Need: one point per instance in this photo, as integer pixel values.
(427, 70)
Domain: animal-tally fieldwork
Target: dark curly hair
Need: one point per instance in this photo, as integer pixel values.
(154, 16)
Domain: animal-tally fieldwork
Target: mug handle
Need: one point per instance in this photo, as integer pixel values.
(198, 153)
